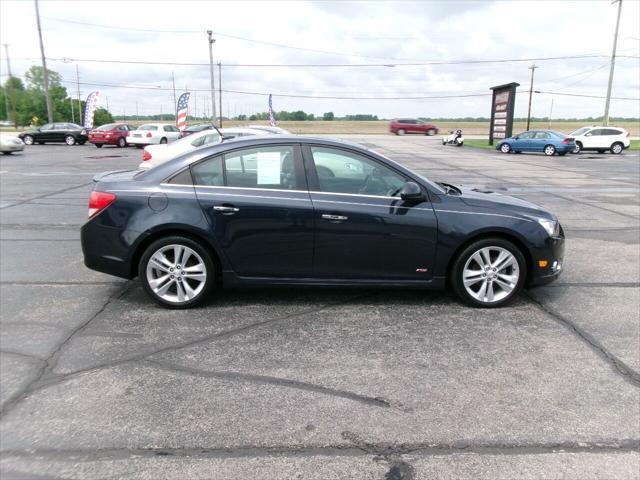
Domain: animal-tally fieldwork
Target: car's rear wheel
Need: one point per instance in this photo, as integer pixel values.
(176, 272)
(431, 132)
(562, 154)
(505, 148)
(122, 142)
(489, 273)
(400, 131)
(577, 148)
(28, 139)
(139, 146)
(549, 150)
(617, 148)
(69, 140)
(163, 140)
(7, 153)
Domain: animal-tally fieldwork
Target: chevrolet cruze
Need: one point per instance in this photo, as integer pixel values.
(289, 210)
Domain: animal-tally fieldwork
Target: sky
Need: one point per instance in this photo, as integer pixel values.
(383, 35)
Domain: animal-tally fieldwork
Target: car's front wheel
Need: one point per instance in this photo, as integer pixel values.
(176, 272)
(489, 273)
(505, 148)
(69, 140)
(617, 148)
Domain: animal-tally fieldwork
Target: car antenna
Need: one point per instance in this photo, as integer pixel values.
(222, 136)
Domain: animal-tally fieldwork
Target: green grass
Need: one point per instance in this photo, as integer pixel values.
(479, 143)
(635, 145)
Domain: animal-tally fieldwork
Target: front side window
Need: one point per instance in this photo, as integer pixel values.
(47, 126)
(526, 135)
(59, 126)
(341, 171)
(208, 173)
(261, 167)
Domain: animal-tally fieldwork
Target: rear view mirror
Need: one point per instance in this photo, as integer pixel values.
(516, 138)
(411, 191)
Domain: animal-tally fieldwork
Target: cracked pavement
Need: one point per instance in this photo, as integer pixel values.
(98, 382)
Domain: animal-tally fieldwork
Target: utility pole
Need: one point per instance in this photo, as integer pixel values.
(73, 117)
(533, 69)
(550, 112)
(213, 87)
(220, 91)
(12, 95)
(78, 90)
(605, 120)
(44, 67)
(175, 102)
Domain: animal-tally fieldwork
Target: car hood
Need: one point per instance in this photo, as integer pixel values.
(487, 198)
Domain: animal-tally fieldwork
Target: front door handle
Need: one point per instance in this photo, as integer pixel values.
(226, 210)
(334, 218)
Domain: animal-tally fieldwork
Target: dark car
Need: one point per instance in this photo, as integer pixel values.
(110, 134)
(195, 129)
(548, 142)
(69, 133)
(400, 126)
(287, 210)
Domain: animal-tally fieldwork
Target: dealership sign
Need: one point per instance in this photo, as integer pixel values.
(502, 106)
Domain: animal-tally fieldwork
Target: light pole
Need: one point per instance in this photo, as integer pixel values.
(44, 67)
(533, 69)
(12, 94)
(213, 87)
(605, 120)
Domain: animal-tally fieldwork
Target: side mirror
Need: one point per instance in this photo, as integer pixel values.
(411, 191)
(588, 134)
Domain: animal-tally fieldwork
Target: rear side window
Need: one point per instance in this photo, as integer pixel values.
(611, 131)
(208, 173)
(261, 167)
(182, 178)
(542, 135)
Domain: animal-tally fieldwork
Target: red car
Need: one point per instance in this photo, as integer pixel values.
(110, 134)
(400, 126)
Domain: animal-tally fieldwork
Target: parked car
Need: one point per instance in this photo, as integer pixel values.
(270, 129)
(614, 139)
(412, 125)
(110, 134)
(282, 210)
(69, 133)
(154, 155)
(10, 144)
(153, 133)
(195, 129)
(548, 141)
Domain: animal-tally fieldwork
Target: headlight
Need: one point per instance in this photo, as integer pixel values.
(551, 226)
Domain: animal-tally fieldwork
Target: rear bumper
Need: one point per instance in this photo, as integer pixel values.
(142, 140)
(105, 250)
(104, 141)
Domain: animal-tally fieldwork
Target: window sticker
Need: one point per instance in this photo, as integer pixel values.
(268, 168)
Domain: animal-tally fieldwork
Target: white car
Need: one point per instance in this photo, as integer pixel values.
(152, 134)
(10, 144)
(270, 129)
(154, 155)
(614, 139)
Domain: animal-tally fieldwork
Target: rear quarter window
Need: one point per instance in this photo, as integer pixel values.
(182, 178)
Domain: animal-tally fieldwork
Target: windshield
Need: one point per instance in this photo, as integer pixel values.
(148, 127)
(108, 126)
(580, 131)
(197, 128)
(424, 179)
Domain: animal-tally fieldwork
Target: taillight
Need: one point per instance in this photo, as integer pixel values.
(628, 135)
(567, 140)
(149, 135)
(98, 201)
(146, 155)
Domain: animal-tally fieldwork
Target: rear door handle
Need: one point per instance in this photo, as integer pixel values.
(226, 210)
(334, 218)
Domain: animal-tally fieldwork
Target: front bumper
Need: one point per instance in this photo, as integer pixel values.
(553, 254)
(12, 147)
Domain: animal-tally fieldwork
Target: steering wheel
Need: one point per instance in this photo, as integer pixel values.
(367, 180)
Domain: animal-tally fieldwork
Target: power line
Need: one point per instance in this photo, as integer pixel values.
(586, 96)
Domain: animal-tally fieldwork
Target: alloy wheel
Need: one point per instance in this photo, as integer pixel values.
(549, 150)
(505, 148)
(616, 148)
(176, 273)
(69, 140)
(490, 274)
(28, 140)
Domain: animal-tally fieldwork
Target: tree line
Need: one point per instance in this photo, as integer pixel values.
(30, 103)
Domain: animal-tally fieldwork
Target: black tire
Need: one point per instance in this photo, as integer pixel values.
(617, 148)
(70, 140)
(98, 145)
(549, 150)
(577, 148)
(40, 143)
(601, 151)
(28, 139)
(562, 154)
(455, 275)
(163, 141)
(195, 246)
(7, 153)
(139, 146)
(460, 144)
(122, 142)
(505, 148)
(82, 142)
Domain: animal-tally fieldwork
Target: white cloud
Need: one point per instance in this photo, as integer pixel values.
(396, 30)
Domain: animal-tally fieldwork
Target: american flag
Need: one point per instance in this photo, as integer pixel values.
(272, 117)
(181, 115)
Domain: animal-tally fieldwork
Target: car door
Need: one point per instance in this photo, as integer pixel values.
(539, 140)
(259, 209)
(525, 141)
(363, 229)
(593, 138)
(45, 133)
(58, 132)
(171, 132)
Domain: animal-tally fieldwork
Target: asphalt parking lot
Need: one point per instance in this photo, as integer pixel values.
(98, 382)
